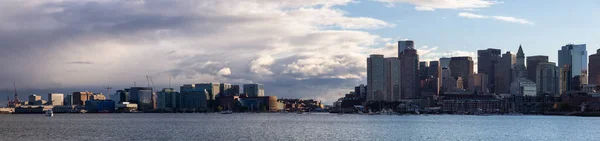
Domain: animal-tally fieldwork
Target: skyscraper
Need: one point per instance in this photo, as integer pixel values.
(435, 73)
(478, 83)
(445, 62)
(547, 77)
(409, 63)
(193, 97)
(392, 79)
(520, 69)
(462, 67)
(254, 90)
(403, 45)
(225, 89)
(142, 96)
(504, 73)
(487, 62)
(594, 77)
(532, 65)
(573, 58)
(522, 86)
(375, 77)
(79, 98)
(56, 99)
(213, 89)
(423, 70)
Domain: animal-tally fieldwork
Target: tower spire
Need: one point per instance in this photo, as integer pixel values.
(520, 52)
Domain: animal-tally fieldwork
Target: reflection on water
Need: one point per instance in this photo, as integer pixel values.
(278, 126)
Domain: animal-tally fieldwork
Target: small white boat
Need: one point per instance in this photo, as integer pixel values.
(227, 112)
(49, 113)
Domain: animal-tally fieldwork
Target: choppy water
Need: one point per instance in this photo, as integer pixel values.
(294, 127)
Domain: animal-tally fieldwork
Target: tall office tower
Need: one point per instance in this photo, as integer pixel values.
(194, 97)
(404, 45)
(504, 73)
(375, 77)
(435, 73)
(573, 58)
(462, 67)
(522, 86)
(547, 78)
(409, 64)
(478, 83)
(487, 62)
(142, 96)
(213, 89)
(445, 62)
(123, 95)
(594, 77)
(68, 100)
(423, 68)
(225, 89)
(360, 91)
(520, 69)
(56, 99)
(235, 90)
(392, 79)
(168, 98)
(254, 90)
(79, 98)
(532, 65)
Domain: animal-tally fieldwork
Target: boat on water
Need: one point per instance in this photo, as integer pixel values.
(49, 113)
(227, 112)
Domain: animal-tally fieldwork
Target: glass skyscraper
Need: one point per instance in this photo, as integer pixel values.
(573, 57)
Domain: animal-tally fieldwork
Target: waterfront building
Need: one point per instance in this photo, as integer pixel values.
(194, 97)
(462, 67)
(572, 58)
(123, 95)
(55, 99)
(100, 106)
(547, 79)
(98, 96)
(404, 45)
(168, 98)
(79, 98)
(487, 63)
(409, 84)
(261, 103)
(523, 87)
(254, 90)
(35, 99)
(504, 73)
(532, 65)
(375, 77)
(68, 100)
(392, 79)
(142, 96)
(594, 77)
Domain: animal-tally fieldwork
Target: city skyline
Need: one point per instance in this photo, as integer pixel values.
(67, 46)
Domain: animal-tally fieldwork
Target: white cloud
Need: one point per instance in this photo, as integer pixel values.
(419, 8)
(471, 15)
(513, 19)
(290, 46)
(500, 18)
(430, 5)
(224, 72)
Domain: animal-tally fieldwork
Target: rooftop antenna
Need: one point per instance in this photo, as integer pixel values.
(134, 85)
(170, 82)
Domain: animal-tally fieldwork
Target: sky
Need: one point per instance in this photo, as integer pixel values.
(297, 48)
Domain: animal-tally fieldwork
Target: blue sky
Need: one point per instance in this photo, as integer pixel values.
(555, 23)
(296, 48)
